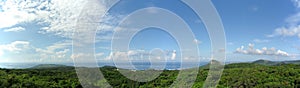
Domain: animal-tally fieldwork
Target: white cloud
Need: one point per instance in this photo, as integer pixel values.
(14, 47)
(132, 54)
(55, 53)
(15, 12)
(23, 51)
(264, 51)
(15, 29)
(59, 16)
(288, 32)
(292, 27)
(173, 57)
(137, 52)
(293, 19)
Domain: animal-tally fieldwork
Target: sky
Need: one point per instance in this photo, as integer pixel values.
(40, 31)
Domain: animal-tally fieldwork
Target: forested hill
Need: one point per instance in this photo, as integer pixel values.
(270, 63)
(46, 66)
(237, 75)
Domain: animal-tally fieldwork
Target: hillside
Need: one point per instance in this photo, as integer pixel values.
(265, 62)
(292, 62)
(259, 74)
(272, 63)
(47, 66)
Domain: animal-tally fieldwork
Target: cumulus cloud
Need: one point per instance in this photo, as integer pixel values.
(24, 51)
(287, 31)
(14, 47)
(264, 51)
(15, 29)
(55, 52)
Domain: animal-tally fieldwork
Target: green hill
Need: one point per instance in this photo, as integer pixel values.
(292, 62)
(257, 74)
(265, 62)
(273, 63)
(47, 66)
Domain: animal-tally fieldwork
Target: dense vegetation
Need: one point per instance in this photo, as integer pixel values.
(39, 78)
(239, 75)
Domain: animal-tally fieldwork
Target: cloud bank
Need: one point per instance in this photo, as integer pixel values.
(264, 51)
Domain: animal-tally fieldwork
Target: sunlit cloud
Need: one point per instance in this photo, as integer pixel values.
(287, 32)
(250, 50)
(56, 52)
(14, 46)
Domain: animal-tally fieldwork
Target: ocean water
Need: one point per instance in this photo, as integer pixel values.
(136, 65)
(17, 65)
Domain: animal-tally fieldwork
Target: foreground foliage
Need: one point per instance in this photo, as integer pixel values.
(240, 75)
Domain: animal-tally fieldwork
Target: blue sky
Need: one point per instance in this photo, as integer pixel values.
(41, 31)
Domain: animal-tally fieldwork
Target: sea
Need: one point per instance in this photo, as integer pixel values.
(136, 65)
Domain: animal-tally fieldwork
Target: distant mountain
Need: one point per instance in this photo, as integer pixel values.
(46, 66)
(292, 62)
(207, 66)
(272, 63)
(265, 62)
